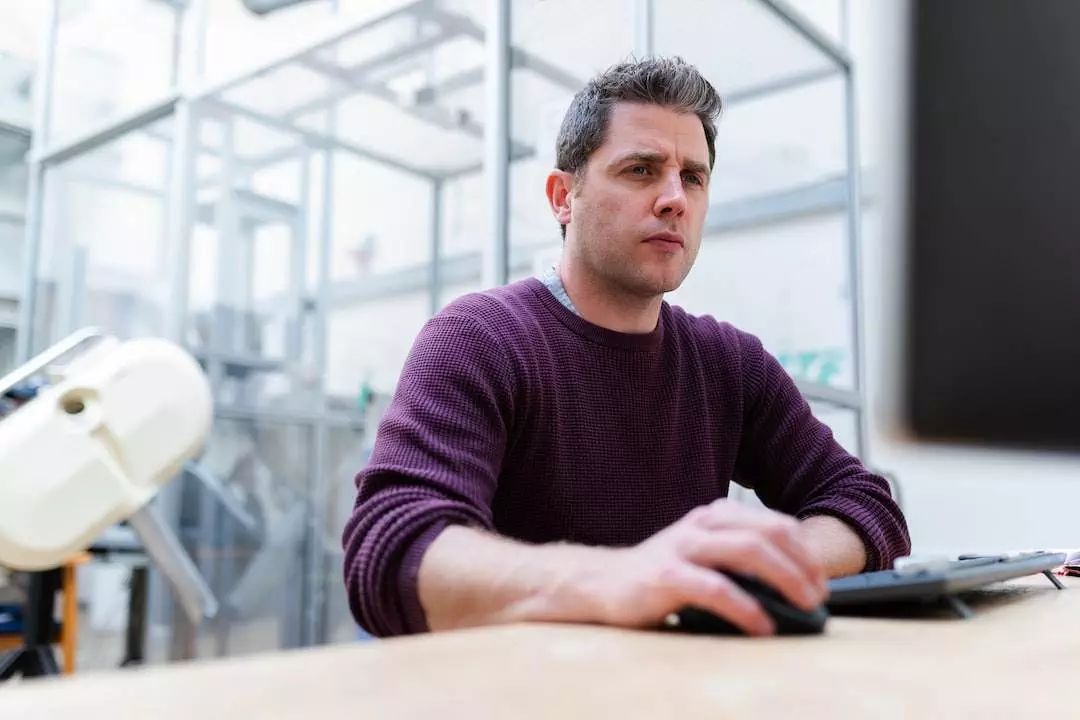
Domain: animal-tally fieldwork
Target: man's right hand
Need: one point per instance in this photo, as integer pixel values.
(469, 577)
(684, 565)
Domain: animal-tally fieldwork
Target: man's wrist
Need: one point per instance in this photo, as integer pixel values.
(571, 589)
(836, 544)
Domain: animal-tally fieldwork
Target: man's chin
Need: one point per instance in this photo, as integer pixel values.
(655, 287)
(647, 282)
(666, 281)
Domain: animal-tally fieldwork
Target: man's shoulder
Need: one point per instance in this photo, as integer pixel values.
(708, 332)
(478, 334)
(733, 354)
(498, 313)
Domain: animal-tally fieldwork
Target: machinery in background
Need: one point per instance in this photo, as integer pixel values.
(94, 429)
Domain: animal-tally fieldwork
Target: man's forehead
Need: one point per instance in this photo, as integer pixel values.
(656, 130)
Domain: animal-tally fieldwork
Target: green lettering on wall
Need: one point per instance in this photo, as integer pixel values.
(816, 366)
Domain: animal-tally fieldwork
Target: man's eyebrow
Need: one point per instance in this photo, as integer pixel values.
(651, 156)
(646, 156)
(698, 167)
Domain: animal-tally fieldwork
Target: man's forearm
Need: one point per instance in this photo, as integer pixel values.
(835, 544)
(469, 578)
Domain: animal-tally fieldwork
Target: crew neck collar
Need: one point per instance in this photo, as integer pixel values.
(596, 333)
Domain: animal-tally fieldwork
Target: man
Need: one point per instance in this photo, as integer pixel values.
(560, 449)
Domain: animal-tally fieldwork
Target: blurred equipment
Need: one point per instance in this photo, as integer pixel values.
(91, 445)
(990, 351)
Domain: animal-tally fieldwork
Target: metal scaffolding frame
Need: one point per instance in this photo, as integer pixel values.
(192, 102)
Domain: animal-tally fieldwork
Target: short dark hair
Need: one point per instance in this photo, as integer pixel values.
(668, 82)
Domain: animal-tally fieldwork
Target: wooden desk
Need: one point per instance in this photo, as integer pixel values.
(1017, 658)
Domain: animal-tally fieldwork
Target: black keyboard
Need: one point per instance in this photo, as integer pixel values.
(935, 580)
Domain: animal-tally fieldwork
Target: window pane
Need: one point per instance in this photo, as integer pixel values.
(554, 59)
(738, 45)
(381, 219)
(780, 141)
(370, 339)
(825, 15)
(787, 284)
(103, 259)
(406, 88)
(111, 58)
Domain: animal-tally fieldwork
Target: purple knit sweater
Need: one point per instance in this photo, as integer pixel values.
(514, 414)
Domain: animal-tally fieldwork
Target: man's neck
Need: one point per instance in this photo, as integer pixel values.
(605, 306)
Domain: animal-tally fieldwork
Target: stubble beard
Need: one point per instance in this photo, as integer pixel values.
(610, 265)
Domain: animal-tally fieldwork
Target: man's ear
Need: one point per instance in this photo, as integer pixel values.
(560, 186)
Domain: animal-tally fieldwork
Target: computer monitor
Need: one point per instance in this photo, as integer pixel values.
(985, 198)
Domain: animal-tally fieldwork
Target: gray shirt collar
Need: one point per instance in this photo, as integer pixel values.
(554, 283)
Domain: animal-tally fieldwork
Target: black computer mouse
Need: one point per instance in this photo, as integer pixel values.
(788, 619)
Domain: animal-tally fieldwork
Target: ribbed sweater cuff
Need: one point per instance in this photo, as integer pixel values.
(866, 524)
(412, 611)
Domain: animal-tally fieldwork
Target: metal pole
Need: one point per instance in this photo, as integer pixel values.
(117, 127)
(332, 38)
(179, 228)
(316, 601)
(845, 24)
(224, 337)
(797, 22)
(644, 42)
(180, 222)
(72, 310)
(854, 218)
(313, 595)
(315, 140)
(779, 85)
(35, 196)
(301, 248)
(315, 604)
(837, 397)
(435, 285)
(182, 158)
(497, 157)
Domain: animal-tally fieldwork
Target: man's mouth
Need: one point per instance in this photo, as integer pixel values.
(665, 239)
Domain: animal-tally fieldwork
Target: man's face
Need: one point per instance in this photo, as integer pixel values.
(638, 211)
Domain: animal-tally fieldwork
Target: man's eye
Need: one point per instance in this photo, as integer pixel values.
(639, 169)
(692, 178)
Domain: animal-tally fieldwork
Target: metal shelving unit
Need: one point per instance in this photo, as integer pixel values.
(14, 144)
(442, 72)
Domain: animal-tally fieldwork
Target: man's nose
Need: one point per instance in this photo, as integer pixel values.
(672, 197)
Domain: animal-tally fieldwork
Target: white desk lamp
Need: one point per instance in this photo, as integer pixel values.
(93, 447)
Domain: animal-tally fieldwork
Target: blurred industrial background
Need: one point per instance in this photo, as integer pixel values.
(290, 189)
